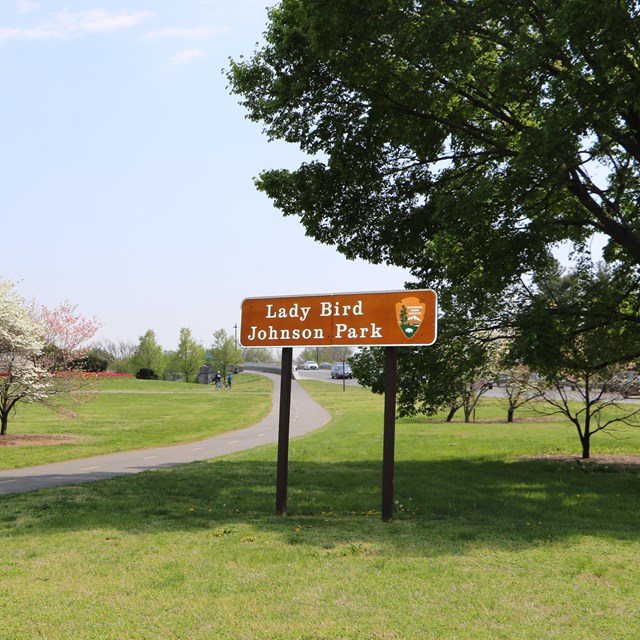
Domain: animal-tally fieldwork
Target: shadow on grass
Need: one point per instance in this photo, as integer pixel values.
(442, 506)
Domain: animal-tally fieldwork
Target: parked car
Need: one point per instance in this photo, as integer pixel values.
(340, 370)
(310, 365)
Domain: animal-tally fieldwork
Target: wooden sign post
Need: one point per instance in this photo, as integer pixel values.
(283, 431)
(389, 438)
(388, 319)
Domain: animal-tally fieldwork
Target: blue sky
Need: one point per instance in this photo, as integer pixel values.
(127, 169)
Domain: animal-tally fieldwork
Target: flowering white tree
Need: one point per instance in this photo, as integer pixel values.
(22, 342)
(37, 347)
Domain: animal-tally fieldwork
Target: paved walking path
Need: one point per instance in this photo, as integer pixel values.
(306, 415)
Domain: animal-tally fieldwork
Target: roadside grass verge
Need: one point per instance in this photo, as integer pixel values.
(124, 414)
(483, 545)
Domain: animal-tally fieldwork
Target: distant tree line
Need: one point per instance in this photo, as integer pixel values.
(147, 359)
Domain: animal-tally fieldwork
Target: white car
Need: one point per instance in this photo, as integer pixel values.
(310, 365)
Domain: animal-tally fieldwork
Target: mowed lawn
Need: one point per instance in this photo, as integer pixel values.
(122, 414)
(484, 544)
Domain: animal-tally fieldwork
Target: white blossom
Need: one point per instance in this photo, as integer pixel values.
(21, 346)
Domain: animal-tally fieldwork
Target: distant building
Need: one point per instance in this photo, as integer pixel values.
(205, 375)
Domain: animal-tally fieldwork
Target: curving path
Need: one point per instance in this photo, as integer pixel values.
(306, 415)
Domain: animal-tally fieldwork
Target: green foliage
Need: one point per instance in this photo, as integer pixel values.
(117, 352)
(259, 354)
(225, 355)
(578, 323)
(93, 362)
(324, 354)
(146, 374)
(189, 357)
(459, 140)
(148, 355)
(451, 373)
(580, 330)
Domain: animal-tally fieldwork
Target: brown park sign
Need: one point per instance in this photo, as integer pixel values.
(389, 318)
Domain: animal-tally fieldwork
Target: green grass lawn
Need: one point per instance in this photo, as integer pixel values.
(123, 414)
(484, 544)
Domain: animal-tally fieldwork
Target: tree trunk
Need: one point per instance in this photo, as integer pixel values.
(452, 413)
(510, 413)
(586, 447)
(586, 434)
(4, 421)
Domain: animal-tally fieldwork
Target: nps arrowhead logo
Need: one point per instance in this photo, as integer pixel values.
(410, 314)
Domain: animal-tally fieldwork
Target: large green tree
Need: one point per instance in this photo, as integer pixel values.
(189, 357)
(148, 355)
(225, 355)
(460, 139)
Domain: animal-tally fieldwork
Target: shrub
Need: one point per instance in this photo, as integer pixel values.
(146, 374)
(92, 363)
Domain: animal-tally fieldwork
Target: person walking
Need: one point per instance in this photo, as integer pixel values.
(229, 379)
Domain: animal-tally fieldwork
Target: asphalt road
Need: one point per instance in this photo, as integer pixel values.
(496, 392)
(306, 415)
(324, 375)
